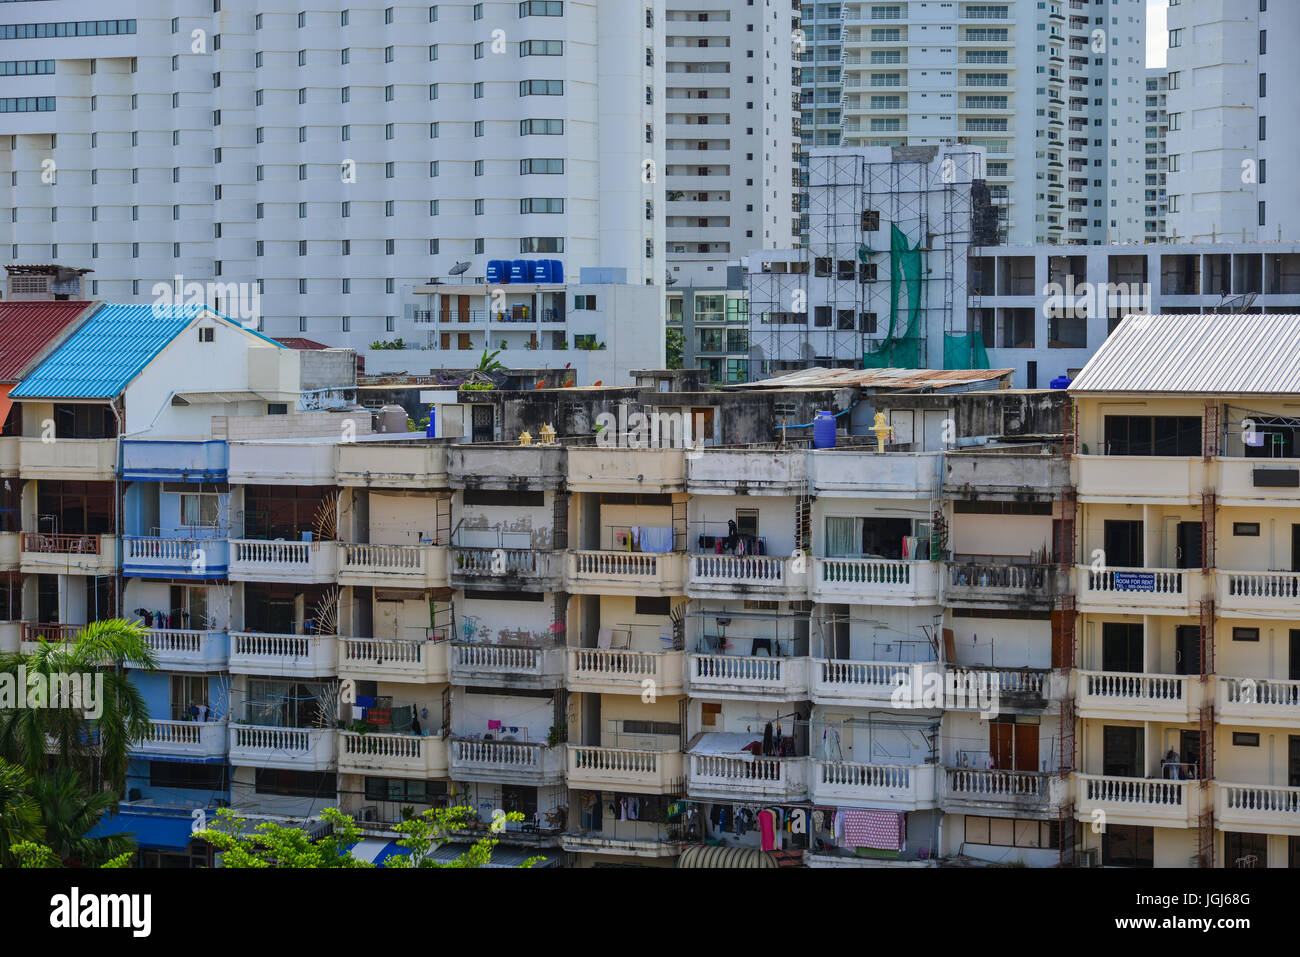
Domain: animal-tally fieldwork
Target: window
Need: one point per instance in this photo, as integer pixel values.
(541, 87)
(1245, 739)
(541, 244)
(200, 510)
(1153, 435)
(388, 207)
(540, 167)
(206, 334)
(1245, 634)
(541, 206)
(1245, 528)
(1127, 845)
(541, 48)
(541, 8)
(541, 127)
(652, 606)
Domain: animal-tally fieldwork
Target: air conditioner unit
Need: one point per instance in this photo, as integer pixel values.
(1089, 858)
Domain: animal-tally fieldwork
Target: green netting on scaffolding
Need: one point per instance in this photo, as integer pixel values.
(964, 350)
(901, 348)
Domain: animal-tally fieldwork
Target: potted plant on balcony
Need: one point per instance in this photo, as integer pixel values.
(556, 735)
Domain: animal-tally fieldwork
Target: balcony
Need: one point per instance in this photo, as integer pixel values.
(866, 683)
(393, 566)
(748, 471)
(297, 749)
(1005, 475)
(728, 778)
(393, 659)
(1018, 690)
(1156, 590)
(1252, 481)
(858, 473)
(507, 666)
(1021, 791)
(506, 762)
(186, 650)
(1258, 701)
(182, 739)
(506, 467)
(1257, 807)
(50, 554)
(1002, 583)
(282, 561)
(506, 569)
(1126, 479)
(1138, 697)
(54, 632)
(10, 455)
(1257, 594)
(191, 558)
(11, 636)
(297, 656)
(895, 786)
(392, 464)
(625, 573)
(421, 757)
(10, 550)
(763, 577)
(625, 769)
(734, 676)
(1138, 801)
(654, 471)
(75, 460)
(174, 461)
(875, 581)
(306, 461)
(612, 671)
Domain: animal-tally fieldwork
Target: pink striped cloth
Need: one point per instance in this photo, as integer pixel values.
(882, 830)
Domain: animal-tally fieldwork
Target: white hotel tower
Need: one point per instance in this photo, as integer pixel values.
(217, 139)
(1233, 73)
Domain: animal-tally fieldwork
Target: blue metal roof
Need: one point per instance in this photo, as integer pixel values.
(157, 828)
(100, 359)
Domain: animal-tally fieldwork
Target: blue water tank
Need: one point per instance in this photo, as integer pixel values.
(519, 271)
(824, 430)
(542, 271)
(498, 271)
(1061, 382)
(432, 430)
(557, 270)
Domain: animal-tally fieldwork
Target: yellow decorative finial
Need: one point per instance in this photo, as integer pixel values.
(883, 431)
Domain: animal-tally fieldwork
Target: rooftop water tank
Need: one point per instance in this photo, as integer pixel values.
(824, 430)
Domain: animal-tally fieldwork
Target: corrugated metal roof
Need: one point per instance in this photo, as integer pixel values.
(28, 329)
(101, 358)
(878, 378)
(1202, 354)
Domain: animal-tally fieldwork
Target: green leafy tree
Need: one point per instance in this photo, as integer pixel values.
(488, 362)
(273, 845)
(97, 746)
(30, 854)
(20, 816)
(675, 344)
(423, 835)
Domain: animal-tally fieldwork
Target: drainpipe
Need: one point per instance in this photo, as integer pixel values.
(117, 507)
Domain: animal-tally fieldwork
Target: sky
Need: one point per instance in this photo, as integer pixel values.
(1156, 37)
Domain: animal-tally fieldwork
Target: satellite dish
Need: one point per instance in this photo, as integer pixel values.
(459, 269)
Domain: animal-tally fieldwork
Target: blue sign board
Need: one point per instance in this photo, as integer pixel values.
(1135, 581)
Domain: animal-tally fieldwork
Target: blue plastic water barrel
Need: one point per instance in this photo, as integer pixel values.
(824, 430)
(432, 430)
(498, 271)
(519, 271)
(1061, 382)
(557, 271)
(542, 271)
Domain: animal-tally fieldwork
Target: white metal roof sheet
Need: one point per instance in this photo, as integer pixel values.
(1202, 354)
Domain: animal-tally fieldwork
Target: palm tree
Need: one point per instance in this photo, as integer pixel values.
(97, 743)
(489, 363)
(68, 812)
(20, 816)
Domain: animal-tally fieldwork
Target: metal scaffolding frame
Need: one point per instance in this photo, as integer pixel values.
(851, 209)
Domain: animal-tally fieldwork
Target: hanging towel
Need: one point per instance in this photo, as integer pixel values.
(767, 740)
(494, 725)
(657, 540)
(881, 830)
(767, 828)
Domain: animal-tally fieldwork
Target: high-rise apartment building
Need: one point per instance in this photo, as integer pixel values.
(731, 132)
(1155, 161)
(1228, 64)
(326, 156)
(1052, 91)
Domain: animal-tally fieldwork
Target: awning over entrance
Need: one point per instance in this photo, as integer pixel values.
(701, 855)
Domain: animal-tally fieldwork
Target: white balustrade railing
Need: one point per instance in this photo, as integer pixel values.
(616, 564)
(1261, 799)
(737, 669)
(759, 569)
(175, 641)
(397, 559)
(995, 784)
(165, 549)
(1134, 687)
(257, 645)
(890, 777)
(1134, 791)
(728, 770)
(864, 674)
(391, 651)
(1259, 585)
(606, 663)
(498, 754)
(865, 571)
(1163, 581)
(510, 659)
(1262, 692)
(273, 553)
(289, 741)
(496, 561)
(397, 747)
(613, 760)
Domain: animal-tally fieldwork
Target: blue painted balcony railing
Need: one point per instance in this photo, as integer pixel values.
(197, 558)
(174, 461)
